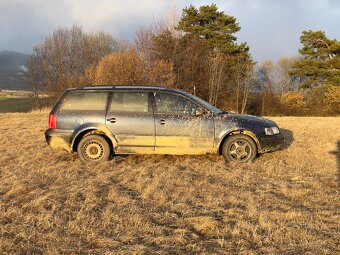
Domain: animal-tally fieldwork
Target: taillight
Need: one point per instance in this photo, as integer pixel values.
(52, 121)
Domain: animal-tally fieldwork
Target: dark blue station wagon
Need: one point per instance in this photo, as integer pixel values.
(102, 121)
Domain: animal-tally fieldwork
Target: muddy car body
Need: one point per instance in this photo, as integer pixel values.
(98, 122)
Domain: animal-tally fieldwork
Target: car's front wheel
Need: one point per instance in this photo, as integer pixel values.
(239, 148)
(93, 149)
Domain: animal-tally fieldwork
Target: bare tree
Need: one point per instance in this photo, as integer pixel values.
(286, 81)
(61, 60)
(242, 75)
(216, 65)
(143, 41)
(265, 80)
(246, 85)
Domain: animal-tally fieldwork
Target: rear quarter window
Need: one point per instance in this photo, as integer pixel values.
(84, 101)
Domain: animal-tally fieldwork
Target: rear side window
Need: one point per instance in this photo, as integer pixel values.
(129, 102)
(85, 101)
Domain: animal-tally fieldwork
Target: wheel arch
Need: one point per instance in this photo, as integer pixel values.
(236, 132)
(92, 131)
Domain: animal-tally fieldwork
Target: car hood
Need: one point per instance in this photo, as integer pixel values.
(247, 119)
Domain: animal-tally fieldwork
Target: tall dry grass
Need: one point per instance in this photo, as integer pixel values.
(286, 202)
(45, 110)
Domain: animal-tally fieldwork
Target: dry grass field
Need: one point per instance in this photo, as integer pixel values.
(286, 202)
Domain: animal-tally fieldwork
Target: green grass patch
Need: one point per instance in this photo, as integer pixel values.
(15, 104)
(3, 99)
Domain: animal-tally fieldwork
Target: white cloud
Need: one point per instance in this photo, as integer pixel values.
(270, 27)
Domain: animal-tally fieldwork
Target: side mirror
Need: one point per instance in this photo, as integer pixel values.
(199, 112)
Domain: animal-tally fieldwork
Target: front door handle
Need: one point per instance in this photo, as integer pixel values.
(112, 120)
(161, 122)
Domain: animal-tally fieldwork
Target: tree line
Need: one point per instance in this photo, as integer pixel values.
(198, 54)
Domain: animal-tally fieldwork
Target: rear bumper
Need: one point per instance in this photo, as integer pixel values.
(59, 139)
(271, 143)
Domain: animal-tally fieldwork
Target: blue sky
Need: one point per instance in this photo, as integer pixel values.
(270, 27)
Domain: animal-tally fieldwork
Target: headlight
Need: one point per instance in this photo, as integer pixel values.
(271, 131)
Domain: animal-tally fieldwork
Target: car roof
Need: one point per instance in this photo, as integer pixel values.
(129, 87)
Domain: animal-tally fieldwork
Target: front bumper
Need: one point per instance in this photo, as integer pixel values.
(59, 139)
(271, 143)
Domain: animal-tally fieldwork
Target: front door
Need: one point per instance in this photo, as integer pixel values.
(130, 119)
(178, 128)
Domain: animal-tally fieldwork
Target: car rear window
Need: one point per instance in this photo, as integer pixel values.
(88, 101)
(129, 102)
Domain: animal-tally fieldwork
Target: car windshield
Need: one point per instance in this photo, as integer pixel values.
(205, 104)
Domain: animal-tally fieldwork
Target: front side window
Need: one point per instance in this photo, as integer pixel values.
(174, 104)
(85, 101)
(129, 102)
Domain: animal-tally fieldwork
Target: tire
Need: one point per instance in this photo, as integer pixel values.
(239, 148)
(93, 149)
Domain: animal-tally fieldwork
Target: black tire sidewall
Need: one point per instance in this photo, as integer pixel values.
(98, 139)
(231, 139)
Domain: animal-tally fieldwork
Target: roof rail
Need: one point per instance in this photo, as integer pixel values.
(124, 87)
(138, 87)
(98, 87)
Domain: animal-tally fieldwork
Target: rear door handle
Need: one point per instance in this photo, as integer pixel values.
(161, 122)
(112, 120)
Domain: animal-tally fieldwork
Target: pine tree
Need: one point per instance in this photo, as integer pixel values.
(215, 31)
(320, 62)
(216, 27)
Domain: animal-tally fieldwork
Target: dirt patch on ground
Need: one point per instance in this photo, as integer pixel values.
(286, 202)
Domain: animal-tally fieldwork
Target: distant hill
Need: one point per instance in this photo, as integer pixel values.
(13, 70)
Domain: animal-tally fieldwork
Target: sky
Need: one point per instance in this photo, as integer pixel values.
(271, 28)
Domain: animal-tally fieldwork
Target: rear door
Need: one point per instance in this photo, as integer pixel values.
(178, 129)
(130, 119)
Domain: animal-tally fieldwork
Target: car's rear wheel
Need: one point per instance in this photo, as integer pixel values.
(239, 148)
(93, 149)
